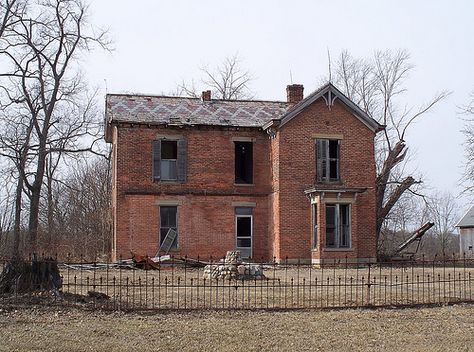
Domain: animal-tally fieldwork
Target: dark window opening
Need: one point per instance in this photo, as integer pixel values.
(327, 160)
(338, 230)
(169, 156)
(243, 162)
(314, 220)
(331, 226)
(168, 221)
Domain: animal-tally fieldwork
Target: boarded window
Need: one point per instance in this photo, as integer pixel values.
(338, 229)
(169, 160)
(243, 162)
(327, 160)
(168, 220)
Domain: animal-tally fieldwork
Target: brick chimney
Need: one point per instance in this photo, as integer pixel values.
(294, 93)
(206, 95)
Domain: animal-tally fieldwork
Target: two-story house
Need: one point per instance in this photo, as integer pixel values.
(290, 180)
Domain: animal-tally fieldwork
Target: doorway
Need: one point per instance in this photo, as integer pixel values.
(243, 231)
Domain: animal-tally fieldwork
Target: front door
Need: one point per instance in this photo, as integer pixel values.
(243, 234)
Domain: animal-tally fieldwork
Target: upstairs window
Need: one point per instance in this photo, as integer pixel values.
(327, 160)
(243, 162)
(169, 160)
(169, 157)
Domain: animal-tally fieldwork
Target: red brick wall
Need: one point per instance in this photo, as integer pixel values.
(297, 172)
(283, 168)
(206, 215)
(206, 225)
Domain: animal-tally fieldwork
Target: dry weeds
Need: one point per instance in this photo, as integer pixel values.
(448, 328)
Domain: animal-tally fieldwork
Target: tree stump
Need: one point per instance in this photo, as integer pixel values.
(21, 276)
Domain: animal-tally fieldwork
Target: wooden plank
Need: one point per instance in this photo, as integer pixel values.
(417, 235)
(168, 241)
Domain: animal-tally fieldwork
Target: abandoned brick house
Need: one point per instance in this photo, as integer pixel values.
(291, 180)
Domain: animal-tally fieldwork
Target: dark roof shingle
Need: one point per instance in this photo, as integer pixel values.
(191, 111)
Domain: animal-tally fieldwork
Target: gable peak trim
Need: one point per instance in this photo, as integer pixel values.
(330, 93)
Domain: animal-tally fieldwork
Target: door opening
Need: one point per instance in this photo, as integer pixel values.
(243, 231)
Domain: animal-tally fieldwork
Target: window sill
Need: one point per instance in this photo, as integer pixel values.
(167, 182)
(244, 184)
(338, 249)
(338, 183)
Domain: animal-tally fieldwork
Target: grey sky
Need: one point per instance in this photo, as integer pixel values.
(160, 43)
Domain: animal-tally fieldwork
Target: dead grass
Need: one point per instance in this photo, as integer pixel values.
(446, 328)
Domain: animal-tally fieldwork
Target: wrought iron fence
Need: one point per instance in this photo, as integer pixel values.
(180, 283)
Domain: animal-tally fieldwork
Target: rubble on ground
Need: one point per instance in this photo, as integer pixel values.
(233, 268)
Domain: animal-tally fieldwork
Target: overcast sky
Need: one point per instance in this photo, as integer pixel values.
(160, 43)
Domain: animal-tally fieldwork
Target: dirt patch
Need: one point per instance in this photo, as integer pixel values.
(56, 329)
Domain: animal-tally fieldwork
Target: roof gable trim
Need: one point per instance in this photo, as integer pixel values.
(329, 93)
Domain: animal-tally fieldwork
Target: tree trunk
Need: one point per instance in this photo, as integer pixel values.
(20, 276)
(33, 224)
(17, 225)
(50, 206)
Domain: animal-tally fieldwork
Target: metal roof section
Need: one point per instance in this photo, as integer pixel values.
(468, 219)
(330, 93)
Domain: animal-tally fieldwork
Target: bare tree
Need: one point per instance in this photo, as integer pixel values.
(377, 85)
(44, 86)
(227, 81)
(81, 210)
(443, 211)
(468, 131)
(6, 209)
(10, 12)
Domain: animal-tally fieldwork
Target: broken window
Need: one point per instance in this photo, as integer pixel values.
(338, 229)
(169, 160)
(327, 160)
(243, 162)
(168, 220)
(169, 156)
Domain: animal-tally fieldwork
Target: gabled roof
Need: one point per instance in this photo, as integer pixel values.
(329, 93)
(181, 111)
(191, 111)
(468, 219)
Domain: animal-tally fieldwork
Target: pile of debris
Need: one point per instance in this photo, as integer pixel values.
(233, 268)
(21, 276)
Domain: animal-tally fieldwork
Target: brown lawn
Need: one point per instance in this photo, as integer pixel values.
(448, 328)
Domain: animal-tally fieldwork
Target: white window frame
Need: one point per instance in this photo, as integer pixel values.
(237, 216)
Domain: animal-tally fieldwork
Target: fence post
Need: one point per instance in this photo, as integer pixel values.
(368, 286)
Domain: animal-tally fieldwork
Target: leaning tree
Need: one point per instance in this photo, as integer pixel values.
(377, 85)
